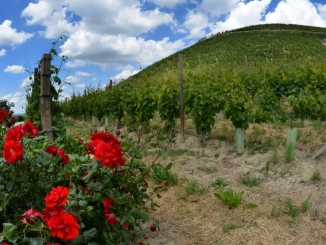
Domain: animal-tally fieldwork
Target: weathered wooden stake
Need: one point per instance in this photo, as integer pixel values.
(246, 64)
(45, 96)
(182, 104)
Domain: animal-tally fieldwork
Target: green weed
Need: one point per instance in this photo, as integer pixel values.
(230, 197)
(231, 226)
(249, 181)
(219, 182)
(316, 176)
(162, 174)
(195, 188)
(207, 170)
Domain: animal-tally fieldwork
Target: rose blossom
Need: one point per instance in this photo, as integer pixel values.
(57, 197)
(107, 204)
(52, 149)
(31, 129)
(109, 155)
(64, 157)
(64, 226)
(30, 216)
(111, 219)
(12, 151)
(16, 133)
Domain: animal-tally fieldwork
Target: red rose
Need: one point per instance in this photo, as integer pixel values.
(64, 157)
(79, 139)
(5, 243)
(109, 155)
(12, 151)
(107, 204)
(106, 137)
(153, 228)
(111, 219)
(3, 114)
(64, 226)
(57, 197)
(31, 129)
(140, 243)
(48, 213)
(30, 216)
(125, 225)
(16, 133)
(52, 149)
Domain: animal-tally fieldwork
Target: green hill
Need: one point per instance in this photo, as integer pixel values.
(278, 43)
(285, 64)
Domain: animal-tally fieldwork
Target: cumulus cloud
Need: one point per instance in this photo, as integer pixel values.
(3, 52)
(322, 10)
(82, 74)
(72, 79)
(25, 82)
(244, 14)
(81, 85)
(104, 32)
(84, 45)
(167, 3)
(195, 24)
(15, 98)
(126, 72)
(297, 12)
(10, 36)
(216, 8)
(14, 69)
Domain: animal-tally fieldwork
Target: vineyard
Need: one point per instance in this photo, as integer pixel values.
(285, 78)
(265, 79)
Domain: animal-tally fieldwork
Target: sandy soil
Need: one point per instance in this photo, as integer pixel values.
(204, 219)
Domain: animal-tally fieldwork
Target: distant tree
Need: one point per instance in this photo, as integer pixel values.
(5, 104)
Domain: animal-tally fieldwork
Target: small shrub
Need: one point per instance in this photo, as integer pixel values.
(230, 197)
(219, 182)
(161, 174)
(249, 181)
(195, 188)
(316, 176)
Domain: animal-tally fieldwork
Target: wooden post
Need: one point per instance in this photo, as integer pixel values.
(182, 104)
(246, 64)
(45, 95)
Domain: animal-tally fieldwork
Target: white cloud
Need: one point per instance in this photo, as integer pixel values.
(16, 98)
(75, 63)
(113, 50)
(3, 52)
(82, 74)
(167, 3)
(14, 69)
(216, 8)
(81, 85)
(297, 12)
(244, 14)
(10, 36)
(72, 79)
(195, 24)
(26, 82)
(124, 74)
(322, 10)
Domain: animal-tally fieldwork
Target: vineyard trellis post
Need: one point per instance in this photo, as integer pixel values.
(246, 65)
(45, 95)
(182, 105)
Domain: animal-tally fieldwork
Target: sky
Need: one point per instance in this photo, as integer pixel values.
(114, 39)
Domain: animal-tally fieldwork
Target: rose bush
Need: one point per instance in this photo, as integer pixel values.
(70, 191)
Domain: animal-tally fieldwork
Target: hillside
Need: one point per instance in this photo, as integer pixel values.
(278, 43)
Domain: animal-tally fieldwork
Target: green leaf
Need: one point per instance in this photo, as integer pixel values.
(9, 230)
(251, 205)
(83, 203)
(77, 241)
(121, 201)
(35, 241)
(97, 186)
(169, 166)
(88, 235)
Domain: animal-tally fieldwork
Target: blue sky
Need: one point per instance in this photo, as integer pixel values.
(112, 39)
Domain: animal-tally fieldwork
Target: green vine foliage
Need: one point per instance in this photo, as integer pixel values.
(33, 108)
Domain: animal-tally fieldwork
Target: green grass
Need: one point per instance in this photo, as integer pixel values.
(250, 181)
(193, 187)
(207, 170)
(230, 197)
(219, 182)
(161, 174)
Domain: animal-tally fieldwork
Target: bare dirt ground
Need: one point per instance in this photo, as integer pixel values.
(204, 219)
